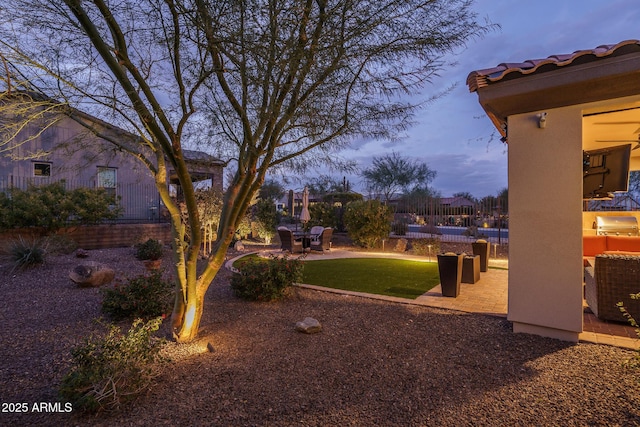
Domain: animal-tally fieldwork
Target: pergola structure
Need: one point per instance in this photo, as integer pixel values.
(548, 111)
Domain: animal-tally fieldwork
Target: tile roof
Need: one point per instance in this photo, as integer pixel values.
(508, 71)
(456, 202)
(200, 156)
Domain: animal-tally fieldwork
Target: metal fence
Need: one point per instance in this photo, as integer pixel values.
(140, 202)
(454, 219)
(460, 220)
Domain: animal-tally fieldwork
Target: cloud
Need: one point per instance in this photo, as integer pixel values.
(479, 175)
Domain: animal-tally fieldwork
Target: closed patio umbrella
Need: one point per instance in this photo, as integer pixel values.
(304, 215)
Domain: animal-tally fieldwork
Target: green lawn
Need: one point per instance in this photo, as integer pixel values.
(393, 277)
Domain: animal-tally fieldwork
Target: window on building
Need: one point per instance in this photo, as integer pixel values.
(42, 169)
(107, 179)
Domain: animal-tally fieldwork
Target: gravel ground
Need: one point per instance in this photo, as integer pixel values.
(374, 363)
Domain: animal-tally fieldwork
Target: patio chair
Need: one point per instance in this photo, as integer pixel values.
(323, 243)
(288, 241)
(612, 280)
(315, 232)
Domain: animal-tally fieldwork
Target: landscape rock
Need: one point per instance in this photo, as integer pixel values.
(91, 274)
(81, 253)
(239, 246)
(309, 326)
(401, 245)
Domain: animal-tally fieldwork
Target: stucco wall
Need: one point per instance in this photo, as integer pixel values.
(74, 155)
(545, 223)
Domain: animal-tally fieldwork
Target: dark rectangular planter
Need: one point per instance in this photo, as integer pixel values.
(482, 249)
(471, 269)
(450, 270)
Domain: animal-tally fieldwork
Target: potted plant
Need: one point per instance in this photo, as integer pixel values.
(450, 270)
(150, 252)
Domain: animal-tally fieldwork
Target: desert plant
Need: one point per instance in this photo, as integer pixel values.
(25, 253)
(107, 372)
(149, 250)
(144, 296)
(368, 222)
(266, 279)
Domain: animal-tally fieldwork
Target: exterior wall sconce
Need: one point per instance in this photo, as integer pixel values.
(542, 120)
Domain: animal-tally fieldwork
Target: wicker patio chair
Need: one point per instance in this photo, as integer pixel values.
(315, 232)
(612, 280)
(288, 241)
(323, 243)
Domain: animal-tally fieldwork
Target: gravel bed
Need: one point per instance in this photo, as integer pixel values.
(374, 363)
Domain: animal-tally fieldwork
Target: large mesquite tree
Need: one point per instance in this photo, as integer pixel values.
(391, 173)
(260, 83)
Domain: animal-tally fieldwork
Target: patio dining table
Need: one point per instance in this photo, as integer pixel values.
(306, 238)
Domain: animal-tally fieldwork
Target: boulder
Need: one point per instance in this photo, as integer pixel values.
(91, 274)
(239, 246)
(401, 245)
(309, 326)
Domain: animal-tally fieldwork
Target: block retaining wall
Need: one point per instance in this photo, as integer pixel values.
(101, 236)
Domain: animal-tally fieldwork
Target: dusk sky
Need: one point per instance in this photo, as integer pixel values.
(453, 135)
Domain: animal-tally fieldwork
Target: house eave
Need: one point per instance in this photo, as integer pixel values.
(607, 78)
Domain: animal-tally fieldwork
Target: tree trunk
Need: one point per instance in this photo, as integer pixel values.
(189, 304)
(189, 322)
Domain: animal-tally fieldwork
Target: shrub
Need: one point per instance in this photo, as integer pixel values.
(264, 232)
(94, 205)
(323, 214)
(25, 253)
(266, 219)
(244, 228)
(143, 296)
(52, 206)
(210, 203)
(149, 250)
(368, 222)
(425, 246)
(107, 372)
(266, 279)
(338, 202)
(38, 206)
